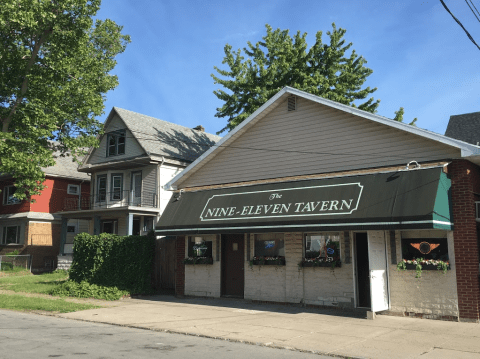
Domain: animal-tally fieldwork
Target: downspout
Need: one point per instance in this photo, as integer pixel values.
(159, 186)
(80, 195)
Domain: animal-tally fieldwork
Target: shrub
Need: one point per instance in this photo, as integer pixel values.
(112, 261)
(87, 290)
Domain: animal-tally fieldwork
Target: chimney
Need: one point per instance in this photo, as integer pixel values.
(199, 128)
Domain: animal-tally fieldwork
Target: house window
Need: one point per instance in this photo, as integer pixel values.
(322, 245)
(101, 188)
(116, 143)
(71, 229)
(73, 189)
(199, 247)
(110, 226)
(11, 235)
(117, 187)
(426, 248)
(147, 224)
(269, 245)
(8, 198)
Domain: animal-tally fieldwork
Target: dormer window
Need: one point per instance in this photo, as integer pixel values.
(116, 143)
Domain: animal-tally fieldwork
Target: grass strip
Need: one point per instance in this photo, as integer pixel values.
(21, 303)
(43, 283)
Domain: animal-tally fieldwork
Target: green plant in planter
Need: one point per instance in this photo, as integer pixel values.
(420, 262)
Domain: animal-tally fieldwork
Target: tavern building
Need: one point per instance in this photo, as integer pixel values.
(313, 202)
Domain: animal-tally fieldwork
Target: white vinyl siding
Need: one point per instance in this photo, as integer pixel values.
(132, 147)
(166, 174)
(314, 139)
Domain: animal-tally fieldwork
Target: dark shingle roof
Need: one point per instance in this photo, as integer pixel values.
(165, 138)
(65, 167)
(465, 127)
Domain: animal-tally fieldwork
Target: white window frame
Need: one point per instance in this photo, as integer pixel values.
(115, 136)
(4, 232)
(8, 198)
(71, 186)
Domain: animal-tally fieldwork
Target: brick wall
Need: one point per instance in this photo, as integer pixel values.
(180, 266)
(434, 295)
(291, 284)
(465, 178)
(203, 280)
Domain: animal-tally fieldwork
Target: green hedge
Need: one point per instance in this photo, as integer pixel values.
(114, 261)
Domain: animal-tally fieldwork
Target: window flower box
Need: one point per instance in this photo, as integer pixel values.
(420, 264)
(321, 262)
(268, 261)
(198, 260)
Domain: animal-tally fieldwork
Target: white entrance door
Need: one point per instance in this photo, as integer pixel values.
(377, 257)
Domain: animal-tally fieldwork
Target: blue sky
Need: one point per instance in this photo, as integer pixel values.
(420, 57)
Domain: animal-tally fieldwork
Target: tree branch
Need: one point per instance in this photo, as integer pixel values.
(24, 87)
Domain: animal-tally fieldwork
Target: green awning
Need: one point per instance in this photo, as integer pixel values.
(413, 199)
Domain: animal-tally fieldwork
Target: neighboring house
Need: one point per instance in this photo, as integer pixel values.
(465, 127)
(333, 198)
(137, 155)
(33, 228)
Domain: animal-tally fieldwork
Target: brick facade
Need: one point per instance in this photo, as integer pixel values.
(465, 178)
(180, 266)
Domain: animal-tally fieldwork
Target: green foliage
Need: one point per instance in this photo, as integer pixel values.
(13, 253)
(399, 116)
(22, 303)
(55, 64)
(87, 290)
(112, 261)
(280, 60)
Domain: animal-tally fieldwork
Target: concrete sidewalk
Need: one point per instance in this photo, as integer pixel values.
(321, 331)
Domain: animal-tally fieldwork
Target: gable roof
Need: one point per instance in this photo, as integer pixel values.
(465, 148)
(465, 127)
(162, 138)
(67, 168)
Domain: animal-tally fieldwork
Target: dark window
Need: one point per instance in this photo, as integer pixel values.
(147, 224)
(110, 226)
(11, 235)
(269, 245)
(426, 248)
(8, 198)
(102, 188)
(116, 187)
(71, 229)
(199, 247)
(116, 143)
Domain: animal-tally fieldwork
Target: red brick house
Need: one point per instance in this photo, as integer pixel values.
(33, 228)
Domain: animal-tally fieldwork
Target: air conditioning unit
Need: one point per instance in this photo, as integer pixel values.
(477, 211)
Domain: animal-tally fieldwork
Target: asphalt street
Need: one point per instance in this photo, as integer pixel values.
(27, 335)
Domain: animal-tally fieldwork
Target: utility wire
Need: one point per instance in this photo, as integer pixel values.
(471, 1)
(207, 146)
(472, 10)
(459, 23)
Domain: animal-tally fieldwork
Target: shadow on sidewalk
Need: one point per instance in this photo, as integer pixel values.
(235, 303)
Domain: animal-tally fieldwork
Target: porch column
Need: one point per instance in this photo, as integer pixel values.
(129, 224)
(96, 225)
(63, 235)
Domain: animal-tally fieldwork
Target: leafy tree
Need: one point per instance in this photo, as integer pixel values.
(54, 74)
(280, 60)
(399, 117)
